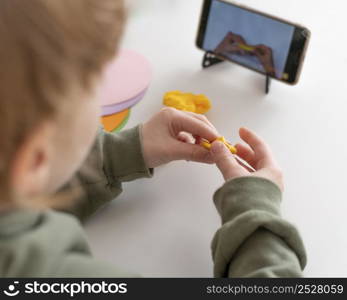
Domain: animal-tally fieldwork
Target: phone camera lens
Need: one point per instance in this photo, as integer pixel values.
(304, 33)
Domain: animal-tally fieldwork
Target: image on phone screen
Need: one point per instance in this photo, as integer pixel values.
(251, 39)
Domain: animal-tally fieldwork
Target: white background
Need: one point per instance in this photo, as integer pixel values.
(163, 226)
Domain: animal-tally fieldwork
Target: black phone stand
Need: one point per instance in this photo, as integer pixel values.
(211, 59)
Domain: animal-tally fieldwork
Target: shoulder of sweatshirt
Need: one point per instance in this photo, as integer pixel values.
(47, 244)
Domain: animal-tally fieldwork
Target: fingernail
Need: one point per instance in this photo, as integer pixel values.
(217, 147)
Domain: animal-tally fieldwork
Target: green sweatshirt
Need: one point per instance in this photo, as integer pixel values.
(253, 241)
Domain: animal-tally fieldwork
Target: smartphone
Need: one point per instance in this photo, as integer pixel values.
(256, 40)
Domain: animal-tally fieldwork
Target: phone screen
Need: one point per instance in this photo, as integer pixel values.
(254, 40)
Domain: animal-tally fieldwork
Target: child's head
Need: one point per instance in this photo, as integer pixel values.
(51, 56)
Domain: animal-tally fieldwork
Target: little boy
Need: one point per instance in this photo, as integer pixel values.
(52, 56)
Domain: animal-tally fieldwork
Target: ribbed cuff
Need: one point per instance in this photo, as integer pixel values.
(247, 193)
(123, 153)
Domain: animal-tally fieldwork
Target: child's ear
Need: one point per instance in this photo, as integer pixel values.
(31, 164)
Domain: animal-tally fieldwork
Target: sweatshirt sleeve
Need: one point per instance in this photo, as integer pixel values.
(114, 158)
(254, 240)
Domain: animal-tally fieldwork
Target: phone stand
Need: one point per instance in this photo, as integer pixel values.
(211, 59)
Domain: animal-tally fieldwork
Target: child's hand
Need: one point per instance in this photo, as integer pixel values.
(172, 135)
(257, 154)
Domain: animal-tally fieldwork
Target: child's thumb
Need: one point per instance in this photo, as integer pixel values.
(223, 158)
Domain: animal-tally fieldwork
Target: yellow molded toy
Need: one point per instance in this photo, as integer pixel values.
(206, 144)
(246, 47)
(199, 104)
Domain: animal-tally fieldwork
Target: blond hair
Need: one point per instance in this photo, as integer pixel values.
(47, 47)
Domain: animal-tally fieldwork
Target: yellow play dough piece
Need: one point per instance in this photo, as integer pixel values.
(246, 47)
(207, 145)
(199, 104)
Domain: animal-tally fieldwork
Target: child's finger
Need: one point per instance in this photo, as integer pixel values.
(185, 122)
(202, 118)
(193, 152)
(198, 139)
(225, 161)
(263, 154)
(246, 153)
(244, 164)
(185, 137)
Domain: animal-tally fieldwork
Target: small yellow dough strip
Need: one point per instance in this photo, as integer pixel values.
(207, 145)
(246, 47)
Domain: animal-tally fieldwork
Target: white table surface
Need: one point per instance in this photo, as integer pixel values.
(163, 226)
